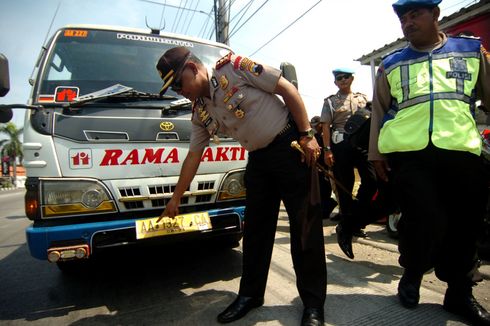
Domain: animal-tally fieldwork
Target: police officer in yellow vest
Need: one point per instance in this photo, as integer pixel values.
(237, 97)
(425, 140)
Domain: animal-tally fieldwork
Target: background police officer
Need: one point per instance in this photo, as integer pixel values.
(339, 154)
(433, 150)
(237, 97)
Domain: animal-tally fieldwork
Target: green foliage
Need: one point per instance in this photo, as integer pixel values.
(11, 146)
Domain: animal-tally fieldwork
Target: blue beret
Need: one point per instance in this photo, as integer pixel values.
(337, 71)
(403, 6)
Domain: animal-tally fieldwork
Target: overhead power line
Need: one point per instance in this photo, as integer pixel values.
(294, 22)
(253, 14)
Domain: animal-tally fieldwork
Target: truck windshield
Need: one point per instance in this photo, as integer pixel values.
(83, 61)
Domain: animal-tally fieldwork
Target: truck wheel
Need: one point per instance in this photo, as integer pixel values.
(392, 223)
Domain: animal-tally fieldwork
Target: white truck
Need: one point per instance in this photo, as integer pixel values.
(103, 151)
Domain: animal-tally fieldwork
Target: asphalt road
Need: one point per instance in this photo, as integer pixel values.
(190, 285)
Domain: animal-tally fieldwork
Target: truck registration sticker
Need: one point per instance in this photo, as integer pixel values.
(149, 228)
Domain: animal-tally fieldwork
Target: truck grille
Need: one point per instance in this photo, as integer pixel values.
(157, 196)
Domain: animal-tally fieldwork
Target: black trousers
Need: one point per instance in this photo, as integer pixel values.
(273, 174)
(355, 214)
(442, 195)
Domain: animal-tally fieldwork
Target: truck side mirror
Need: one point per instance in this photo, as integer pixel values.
(5, 114)
(289, 72)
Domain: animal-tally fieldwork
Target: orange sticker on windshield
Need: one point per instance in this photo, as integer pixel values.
(76, 33)
(66, 94)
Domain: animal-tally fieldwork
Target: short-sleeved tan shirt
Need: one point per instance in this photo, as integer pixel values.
(339, 107)
(242, 105)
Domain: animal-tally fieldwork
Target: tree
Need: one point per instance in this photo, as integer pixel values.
(12, 146)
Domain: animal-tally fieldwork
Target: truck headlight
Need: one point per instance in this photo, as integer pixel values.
(74, 197)
(233, 186)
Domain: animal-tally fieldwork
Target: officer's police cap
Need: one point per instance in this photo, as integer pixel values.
(339, 71)
(171, 64)
(401, 7)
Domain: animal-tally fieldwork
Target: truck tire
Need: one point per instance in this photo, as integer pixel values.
(392, 223)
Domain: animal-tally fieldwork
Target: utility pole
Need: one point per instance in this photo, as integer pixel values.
(222, 21)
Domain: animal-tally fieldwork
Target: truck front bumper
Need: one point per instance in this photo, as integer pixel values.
(97, 235)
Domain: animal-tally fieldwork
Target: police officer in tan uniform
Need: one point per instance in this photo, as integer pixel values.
(339, 154)
(237, 97)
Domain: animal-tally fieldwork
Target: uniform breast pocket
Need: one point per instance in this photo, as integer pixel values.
(234, 101)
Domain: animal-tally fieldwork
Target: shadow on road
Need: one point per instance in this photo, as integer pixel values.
(151, 280)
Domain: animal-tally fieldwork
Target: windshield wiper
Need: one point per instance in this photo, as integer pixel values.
(115, 91)
(176, 105)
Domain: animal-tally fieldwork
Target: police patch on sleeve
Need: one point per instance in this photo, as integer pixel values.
(245, 64)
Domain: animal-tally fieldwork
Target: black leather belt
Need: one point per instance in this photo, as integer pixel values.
(289, 126)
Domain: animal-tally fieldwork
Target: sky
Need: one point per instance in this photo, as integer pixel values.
(332, 34)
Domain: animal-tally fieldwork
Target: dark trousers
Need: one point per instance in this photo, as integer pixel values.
(355, 214)
(442, 195)
(273, 174)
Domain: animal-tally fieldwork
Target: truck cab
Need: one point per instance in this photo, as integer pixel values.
(103, 151)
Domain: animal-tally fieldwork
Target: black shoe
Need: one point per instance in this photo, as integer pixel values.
(360, 233)
(466, 306)
(344, 239)
(239, 308)
(409, 290)
(312, 317)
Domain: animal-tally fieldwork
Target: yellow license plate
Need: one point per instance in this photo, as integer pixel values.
(149, 228)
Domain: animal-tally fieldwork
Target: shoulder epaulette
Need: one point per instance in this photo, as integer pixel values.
(223, 61)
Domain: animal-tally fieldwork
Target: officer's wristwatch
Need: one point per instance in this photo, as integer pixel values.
(327, 149)
(308, 133)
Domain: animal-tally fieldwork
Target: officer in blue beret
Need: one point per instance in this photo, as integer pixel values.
(422, 131)
(401, 7)
(343, 158)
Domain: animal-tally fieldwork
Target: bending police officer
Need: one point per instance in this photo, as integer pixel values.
(237, 97)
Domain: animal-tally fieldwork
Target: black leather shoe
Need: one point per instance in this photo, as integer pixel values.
(409, 290)
(466, 306)
(360, 233)
(344, 239)
(239, 308)
(312, 317)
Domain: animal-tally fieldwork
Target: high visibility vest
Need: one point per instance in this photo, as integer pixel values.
(434, 96)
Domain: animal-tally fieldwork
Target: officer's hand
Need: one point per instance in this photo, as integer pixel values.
(171, 209)
(382, 168)
(311, 150)
(328, 158)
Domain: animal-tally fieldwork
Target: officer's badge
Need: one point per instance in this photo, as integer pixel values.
(230, 93)
(459, 69)
(223, 82)
(239, 113)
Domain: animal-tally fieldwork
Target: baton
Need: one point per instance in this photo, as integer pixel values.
(328, 173)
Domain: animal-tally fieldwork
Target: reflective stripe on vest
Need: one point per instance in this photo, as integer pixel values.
(434, 93)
